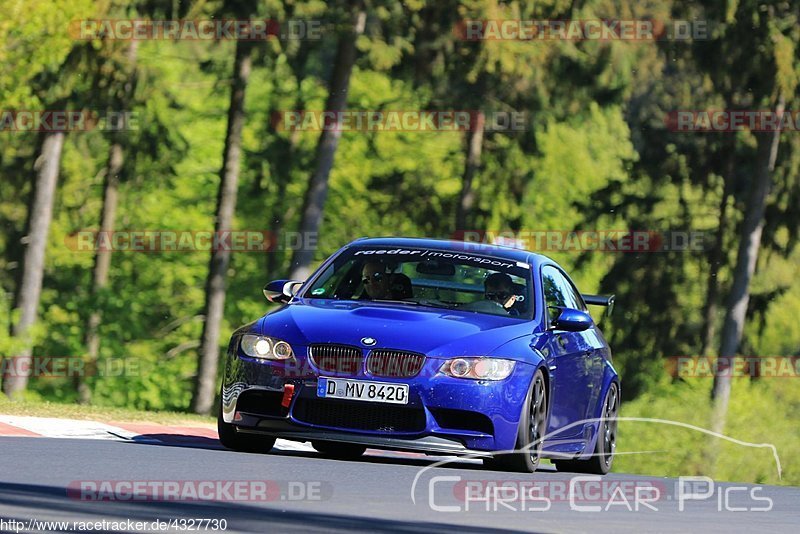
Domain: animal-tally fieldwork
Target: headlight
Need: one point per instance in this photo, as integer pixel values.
(478, 368)
(265, 347)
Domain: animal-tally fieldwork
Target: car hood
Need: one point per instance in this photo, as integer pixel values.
(432, 331)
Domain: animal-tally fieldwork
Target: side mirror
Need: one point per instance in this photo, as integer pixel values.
(573, 320)
(281, 290)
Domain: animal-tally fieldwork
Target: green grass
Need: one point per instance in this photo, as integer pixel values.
(766, 411)
(99, 413)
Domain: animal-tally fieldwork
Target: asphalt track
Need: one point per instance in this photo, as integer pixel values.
(371, 494)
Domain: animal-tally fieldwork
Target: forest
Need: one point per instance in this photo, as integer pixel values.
(156, 172)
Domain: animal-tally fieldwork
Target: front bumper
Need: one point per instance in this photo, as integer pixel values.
(443, 415)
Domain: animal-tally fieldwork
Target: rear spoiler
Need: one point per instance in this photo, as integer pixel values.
(600, 300)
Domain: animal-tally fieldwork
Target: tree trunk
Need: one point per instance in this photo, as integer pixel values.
(102, 258)
(466, 199)
(746, 259)
(205, 390)
(30, 289)
(102, 264)
(716, 256)
(314, 200)
(280, 212)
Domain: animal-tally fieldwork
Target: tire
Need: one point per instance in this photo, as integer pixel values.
(231, 439)
(340, 451)
(603, 457)
(532, 428)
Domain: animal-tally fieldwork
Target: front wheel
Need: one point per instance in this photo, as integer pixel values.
(530, 437)
(600, 462)
(231, 439)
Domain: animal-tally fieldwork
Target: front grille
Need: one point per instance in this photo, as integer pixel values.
(339, 360)
(356, 415)
(394, 363)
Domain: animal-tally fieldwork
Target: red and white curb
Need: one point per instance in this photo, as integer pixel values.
(48, 427)
(188, 436)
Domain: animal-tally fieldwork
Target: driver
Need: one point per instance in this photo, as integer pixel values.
(376, 280)
(499, 288)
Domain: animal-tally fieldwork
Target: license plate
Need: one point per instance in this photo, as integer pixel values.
(362, 390)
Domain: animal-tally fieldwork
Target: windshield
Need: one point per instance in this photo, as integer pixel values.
(427, 277)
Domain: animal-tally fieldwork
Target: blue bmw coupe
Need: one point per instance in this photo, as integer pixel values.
(441, 347)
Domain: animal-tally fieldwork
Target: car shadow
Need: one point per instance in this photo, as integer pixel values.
(23, 502)
(178, 440)
(373, 456)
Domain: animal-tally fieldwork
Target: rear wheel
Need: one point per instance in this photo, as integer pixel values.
(532, 427)
(231, 439)
(341, 451)
(603, 457)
